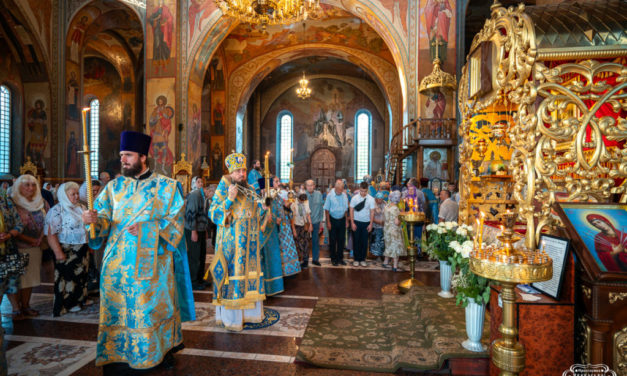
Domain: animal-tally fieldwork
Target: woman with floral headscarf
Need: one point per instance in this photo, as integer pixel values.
(394, 247)
(31, 207)
(610, 244)
(68, 240)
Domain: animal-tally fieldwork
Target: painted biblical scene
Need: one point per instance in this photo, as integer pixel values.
(198, 12)
(324, 121)
(340, 28)
(604, 231)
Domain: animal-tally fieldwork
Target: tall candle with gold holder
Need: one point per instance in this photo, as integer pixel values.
(412, 217)
(291, 170)
(266, 172)
(87, 163)
(510, 266)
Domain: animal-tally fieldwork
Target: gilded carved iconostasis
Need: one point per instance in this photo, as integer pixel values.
(190, 77)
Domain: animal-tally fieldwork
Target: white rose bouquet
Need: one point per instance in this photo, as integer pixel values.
(465, 282)
(441, 239)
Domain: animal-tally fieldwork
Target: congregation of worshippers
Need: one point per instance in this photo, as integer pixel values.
(307, 217)
(313, 187)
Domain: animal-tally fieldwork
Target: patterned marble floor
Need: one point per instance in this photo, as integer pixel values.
(66, 345)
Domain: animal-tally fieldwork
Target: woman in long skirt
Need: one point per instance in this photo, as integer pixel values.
(394, 247)
(68, 240)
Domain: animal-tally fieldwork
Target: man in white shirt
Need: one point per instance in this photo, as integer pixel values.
(362, 208)
(448, 208)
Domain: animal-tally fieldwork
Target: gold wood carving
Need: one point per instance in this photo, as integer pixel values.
(552, 152)
(182, 172)
(620, 352)
(29, 167)
(586, 291)
(616, 296)
(559, 147)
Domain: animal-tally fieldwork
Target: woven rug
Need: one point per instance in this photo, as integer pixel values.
(418, 330)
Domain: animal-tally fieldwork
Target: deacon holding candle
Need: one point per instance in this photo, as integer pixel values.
(145, 289)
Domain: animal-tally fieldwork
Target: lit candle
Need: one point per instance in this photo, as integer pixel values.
(477, 235)
(267, 164)
(482, 219)
(86, 151)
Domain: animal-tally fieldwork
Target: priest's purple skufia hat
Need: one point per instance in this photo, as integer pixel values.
(135, 141)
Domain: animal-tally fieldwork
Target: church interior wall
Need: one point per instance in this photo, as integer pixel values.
(325, 120)
(102, 81)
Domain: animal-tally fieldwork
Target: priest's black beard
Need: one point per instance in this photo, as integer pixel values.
(242, 183)
(132, 171)
(258, 168)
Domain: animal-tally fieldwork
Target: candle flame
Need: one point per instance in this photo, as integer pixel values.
(86, 109)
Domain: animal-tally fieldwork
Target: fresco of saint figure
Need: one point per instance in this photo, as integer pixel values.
(438, 14)
(160, 125)
(162, 24)
(38, 129)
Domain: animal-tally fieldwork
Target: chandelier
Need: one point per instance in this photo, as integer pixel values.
(303, 92)
(268, 12)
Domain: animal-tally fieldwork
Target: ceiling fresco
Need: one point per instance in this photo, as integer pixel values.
(338, 28)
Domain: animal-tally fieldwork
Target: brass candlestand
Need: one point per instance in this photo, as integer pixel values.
(510, 266)
(413, 219)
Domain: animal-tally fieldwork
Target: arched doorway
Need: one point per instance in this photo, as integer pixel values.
(323, 167)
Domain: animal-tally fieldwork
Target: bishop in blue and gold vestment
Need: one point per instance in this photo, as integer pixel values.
(238, 280)
(145, 288)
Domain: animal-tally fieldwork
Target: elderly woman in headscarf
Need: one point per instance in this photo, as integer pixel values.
(394, 247)
(68, 240)
(32, 208)
(11, 264)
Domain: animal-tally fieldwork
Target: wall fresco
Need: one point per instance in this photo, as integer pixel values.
(161, 124)
(161, 38)
(325, 120)
(37, 130)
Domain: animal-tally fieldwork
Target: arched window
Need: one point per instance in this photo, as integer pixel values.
(94, 135)
(363, 143)
(285, 129)
(5, 129)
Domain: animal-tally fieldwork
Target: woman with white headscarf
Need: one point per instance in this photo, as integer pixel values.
(31, 207)
(68, 240)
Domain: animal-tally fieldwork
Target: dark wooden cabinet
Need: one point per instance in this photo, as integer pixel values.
(546, 328)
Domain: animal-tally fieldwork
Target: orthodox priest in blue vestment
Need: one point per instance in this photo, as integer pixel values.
(254, 175)
(243, 224)
(145, 288)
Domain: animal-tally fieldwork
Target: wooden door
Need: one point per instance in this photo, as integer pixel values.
(323, 167)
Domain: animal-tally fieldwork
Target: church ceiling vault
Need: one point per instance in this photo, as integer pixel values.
(382, 25)
(25, 45)
(243, 81)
